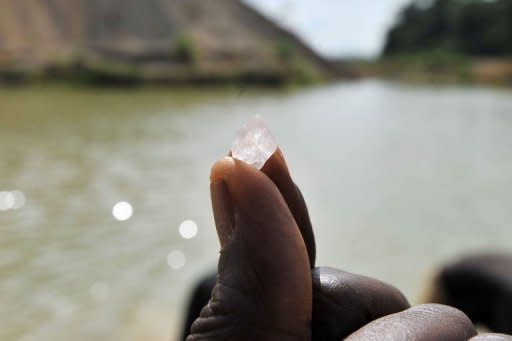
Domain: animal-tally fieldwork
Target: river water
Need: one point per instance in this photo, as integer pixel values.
(398, 179)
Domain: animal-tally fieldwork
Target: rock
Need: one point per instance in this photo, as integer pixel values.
(254, 143)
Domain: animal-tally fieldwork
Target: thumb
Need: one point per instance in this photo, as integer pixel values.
(263, 287)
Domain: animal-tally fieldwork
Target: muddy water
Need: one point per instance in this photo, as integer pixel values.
(397, 178)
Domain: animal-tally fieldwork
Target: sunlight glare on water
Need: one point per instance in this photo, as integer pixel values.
(176, 259)
(122, 211)
(11, 200)
(6, 201)
(188, 229)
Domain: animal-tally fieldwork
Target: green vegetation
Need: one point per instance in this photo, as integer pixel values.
(296, 69)
(78, 70)
(304, 74)
(467, 27)
(285, 52)
(12, 75)
(75, 71)
(428, 66)
(107, 74)
(185, 49)
(449, 41)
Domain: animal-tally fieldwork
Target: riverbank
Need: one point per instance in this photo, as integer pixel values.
(97, 72)
(438, 68)
(425, 68)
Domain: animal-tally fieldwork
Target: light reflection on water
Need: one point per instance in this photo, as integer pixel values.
(188, 229)
(11, 200)
(122, 211)
(397, 179)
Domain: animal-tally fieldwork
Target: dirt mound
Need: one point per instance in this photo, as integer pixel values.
(213, 36)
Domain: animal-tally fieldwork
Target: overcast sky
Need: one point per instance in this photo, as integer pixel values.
(344, 28)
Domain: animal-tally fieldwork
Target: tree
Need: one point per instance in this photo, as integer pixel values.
(473, 27)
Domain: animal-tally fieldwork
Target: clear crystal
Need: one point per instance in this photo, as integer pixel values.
(254, 144)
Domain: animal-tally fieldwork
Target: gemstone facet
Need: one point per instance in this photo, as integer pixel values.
(254, 144)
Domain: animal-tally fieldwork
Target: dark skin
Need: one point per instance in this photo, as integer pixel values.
(492, 337)
(489, 275)
(268, 287)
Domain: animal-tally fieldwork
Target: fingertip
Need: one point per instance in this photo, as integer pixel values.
(222, 169)
(276, 164)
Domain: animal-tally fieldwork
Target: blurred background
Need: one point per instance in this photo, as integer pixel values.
(394, 116)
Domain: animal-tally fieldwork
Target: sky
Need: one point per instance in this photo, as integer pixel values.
(336, 28)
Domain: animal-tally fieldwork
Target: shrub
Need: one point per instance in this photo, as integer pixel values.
(185, 49)
(285, 51)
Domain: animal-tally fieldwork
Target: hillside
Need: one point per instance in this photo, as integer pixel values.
(468, 27)
(161, 39)
(467, 41)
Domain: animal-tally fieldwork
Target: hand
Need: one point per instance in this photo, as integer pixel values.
(489, 275)
(267, 287)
